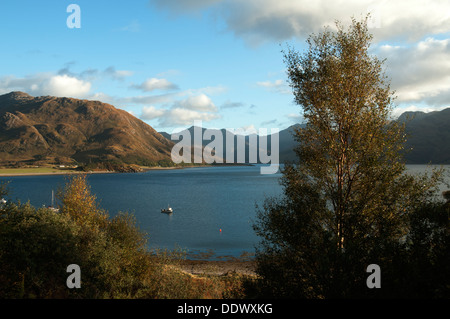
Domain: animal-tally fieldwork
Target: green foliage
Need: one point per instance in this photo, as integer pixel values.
(165, 163)
(348, 201)
(3, 189)
(112, 166)
(172, 282)
(37, 245)
(428, 262)
(80, 204)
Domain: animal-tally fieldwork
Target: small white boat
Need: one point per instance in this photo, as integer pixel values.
(52, 207)
(167, 210)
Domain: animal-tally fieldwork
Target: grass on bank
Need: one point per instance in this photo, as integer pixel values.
(52, 169)
(175, 283)
(36, 170)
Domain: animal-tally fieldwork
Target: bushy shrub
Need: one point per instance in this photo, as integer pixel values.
(37, 245)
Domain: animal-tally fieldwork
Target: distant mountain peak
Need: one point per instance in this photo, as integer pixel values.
(16, 95)
(411, 115)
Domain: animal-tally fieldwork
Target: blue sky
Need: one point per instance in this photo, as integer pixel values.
(173, 62)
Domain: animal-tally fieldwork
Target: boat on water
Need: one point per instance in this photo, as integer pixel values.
(167, 210)
(52, 207)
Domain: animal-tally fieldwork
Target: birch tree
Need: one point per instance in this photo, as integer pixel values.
(346, 198)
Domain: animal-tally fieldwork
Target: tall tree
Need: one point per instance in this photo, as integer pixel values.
(80, 204)
(345, 200)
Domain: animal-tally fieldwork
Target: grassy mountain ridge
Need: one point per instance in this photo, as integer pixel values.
(47, 128)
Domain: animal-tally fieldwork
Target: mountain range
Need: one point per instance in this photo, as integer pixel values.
(428, 138)
(286, 143)
(47, 129)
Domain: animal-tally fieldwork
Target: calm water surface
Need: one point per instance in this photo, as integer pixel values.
(205, 200)
(214, 207)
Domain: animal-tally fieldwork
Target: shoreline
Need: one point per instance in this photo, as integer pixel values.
(31, 172)
(34, 171)
(49, 173)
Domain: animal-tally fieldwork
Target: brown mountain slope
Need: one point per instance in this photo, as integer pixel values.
(49, 128)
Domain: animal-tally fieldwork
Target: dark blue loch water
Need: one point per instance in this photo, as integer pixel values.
(205, 200)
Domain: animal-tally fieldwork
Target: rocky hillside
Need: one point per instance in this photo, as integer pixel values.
(49, 129)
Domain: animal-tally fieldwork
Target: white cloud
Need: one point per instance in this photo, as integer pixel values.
(279, 86)
(183, 112)
(176, 116)
(151, 99)
(258, 21)
(64, 85)
(47, 84)
(248, 129)
(93, 74)
(153, 84)
(181, 116)
(117, 74)
(268, 84)
(199, 102)
(150, 113)
(209, 90)
(190, 98)
(420, 73)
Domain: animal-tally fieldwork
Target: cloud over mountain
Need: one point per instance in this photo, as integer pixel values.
(183, 112)
(259, 21)
(420, 72)
(47, 84)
